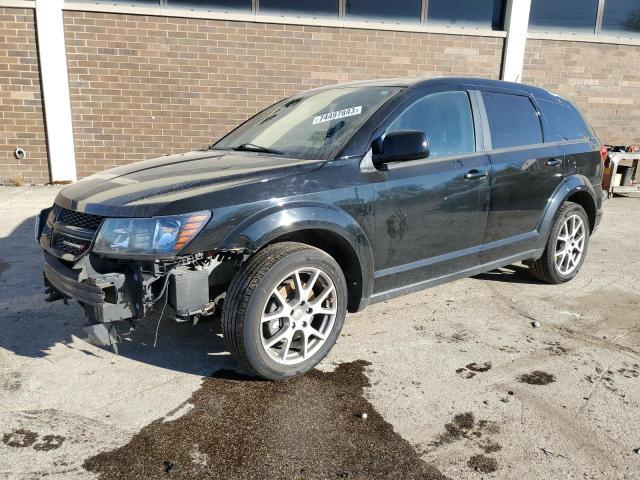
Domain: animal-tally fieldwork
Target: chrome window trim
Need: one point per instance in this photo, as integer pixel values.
(432, 160)
(413, 163)
(536, 145)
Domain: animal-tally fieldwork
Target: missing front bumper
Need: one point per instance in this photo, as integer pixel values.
(116, 302)
(105, 298)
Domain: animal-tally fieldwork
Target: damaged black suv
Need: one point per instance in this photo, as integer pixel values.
(325, 202)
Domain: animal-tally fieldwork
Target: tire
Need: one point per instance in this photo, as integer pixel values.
(546, 268)
(260, 290)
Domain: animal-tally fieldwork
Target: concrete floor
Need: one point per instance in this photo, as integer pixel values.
(456, 349)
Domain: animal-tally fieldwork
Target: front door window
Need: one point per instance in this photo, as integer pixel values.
(445, 118)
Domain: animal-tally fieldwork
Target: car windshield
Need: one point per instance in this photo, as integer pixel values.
(311, 125)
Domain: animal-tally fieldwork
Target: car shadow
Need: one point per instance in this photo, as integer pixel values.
(509, 274)
(31, 327)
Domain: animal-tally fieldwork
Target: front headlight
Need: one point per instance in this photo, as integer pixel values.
(155, 237)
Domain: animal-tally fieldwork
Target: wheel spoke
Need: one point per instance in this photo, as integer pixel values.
(563, 235)
(322, 297)
(304, 340)
(300, 291)
(285, 347)
(325, 311)
(312, 281)
(316, 333)
(277, 337)
(267, 317)
(279, 297)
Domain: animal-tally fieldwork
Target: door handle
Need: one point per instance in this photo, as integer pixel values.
(476, 174)
(554, 162)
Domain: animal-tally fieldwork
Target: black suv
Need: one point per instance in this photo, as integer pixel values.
(325, 202)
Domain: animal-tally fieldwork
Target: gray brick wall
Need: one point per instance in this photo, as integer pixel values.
(602, 79)
(144, 86)
(147, 86)
(21, 116)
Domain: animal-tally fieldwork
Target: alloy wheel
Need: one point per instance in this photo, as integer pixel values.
(570, 244)
(299, 316)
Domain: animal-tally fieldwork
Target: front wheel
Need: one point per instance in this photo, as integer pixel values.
(566, 248)
(284, 310)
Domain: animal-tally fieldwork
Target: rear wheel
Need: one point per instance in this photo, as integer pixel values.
(566, 248)
(284, 310)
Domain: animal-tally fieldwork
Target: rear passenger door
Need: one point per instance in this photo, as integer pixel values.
(525, 173)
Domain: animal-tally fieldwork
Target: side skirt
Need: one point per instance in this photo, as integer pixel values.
(469, 272)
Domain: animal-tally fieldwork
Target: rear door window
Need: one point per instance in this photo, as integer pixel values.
(446, 120)
(564, 119)
(513, 120)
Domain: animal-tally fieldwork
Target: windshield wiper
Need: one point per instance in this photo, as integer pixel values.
(251, 147)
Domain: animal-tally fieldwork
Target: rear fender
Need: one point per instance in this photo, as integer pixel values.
(569, 186)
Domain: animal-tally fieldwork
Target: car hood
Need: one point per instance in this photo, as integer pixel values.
(147, 188)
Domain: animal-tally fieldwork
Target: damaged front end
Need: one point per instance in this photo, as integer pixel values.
(118, 293)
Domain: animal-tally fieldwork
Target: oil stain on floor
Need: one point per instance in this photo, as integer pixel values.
(537, 377)
(309, 427)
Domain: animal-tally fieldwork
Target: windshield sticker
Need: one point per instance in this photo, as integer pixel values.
(347, 112)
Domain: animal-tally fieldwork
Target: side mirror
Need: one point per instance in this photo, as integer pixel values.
(402, 146)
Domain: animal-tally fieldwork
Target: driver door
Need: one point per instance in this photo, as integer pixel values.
(431, 213)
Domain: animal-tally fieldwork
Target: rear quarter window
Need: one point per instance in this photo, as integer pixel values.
(565, 120)
(513, 120)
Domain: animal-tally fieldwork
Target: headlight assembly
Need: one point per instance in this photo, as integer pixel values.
(149, 237)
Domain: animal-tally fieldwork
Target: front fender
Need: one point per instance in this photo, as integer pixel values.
(569, 186)
(267, 225)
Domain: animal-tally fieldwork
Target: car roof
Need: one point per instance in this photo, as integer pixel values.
(453, 81)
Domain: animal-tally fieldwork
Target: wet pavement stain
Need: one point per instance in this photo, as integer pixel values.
(537, 377)
(464, 373)
(309, 427)
(49, 442)
(470, 370)
(490, 446)
(483, 464)
(464, 425)
(477, 367)
(477, 435)
(459, 428)
(555, 348)
(12, 383)
(20, 438)
(629, 370)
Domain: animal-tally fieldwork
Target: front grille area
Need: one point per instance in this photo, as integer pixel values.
(68, 234)
(77, 219)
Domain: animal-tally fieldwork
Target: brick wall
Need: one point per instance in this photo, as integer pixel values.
(144, 86)
(602, 79)
(21, 116)
(147, 86)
